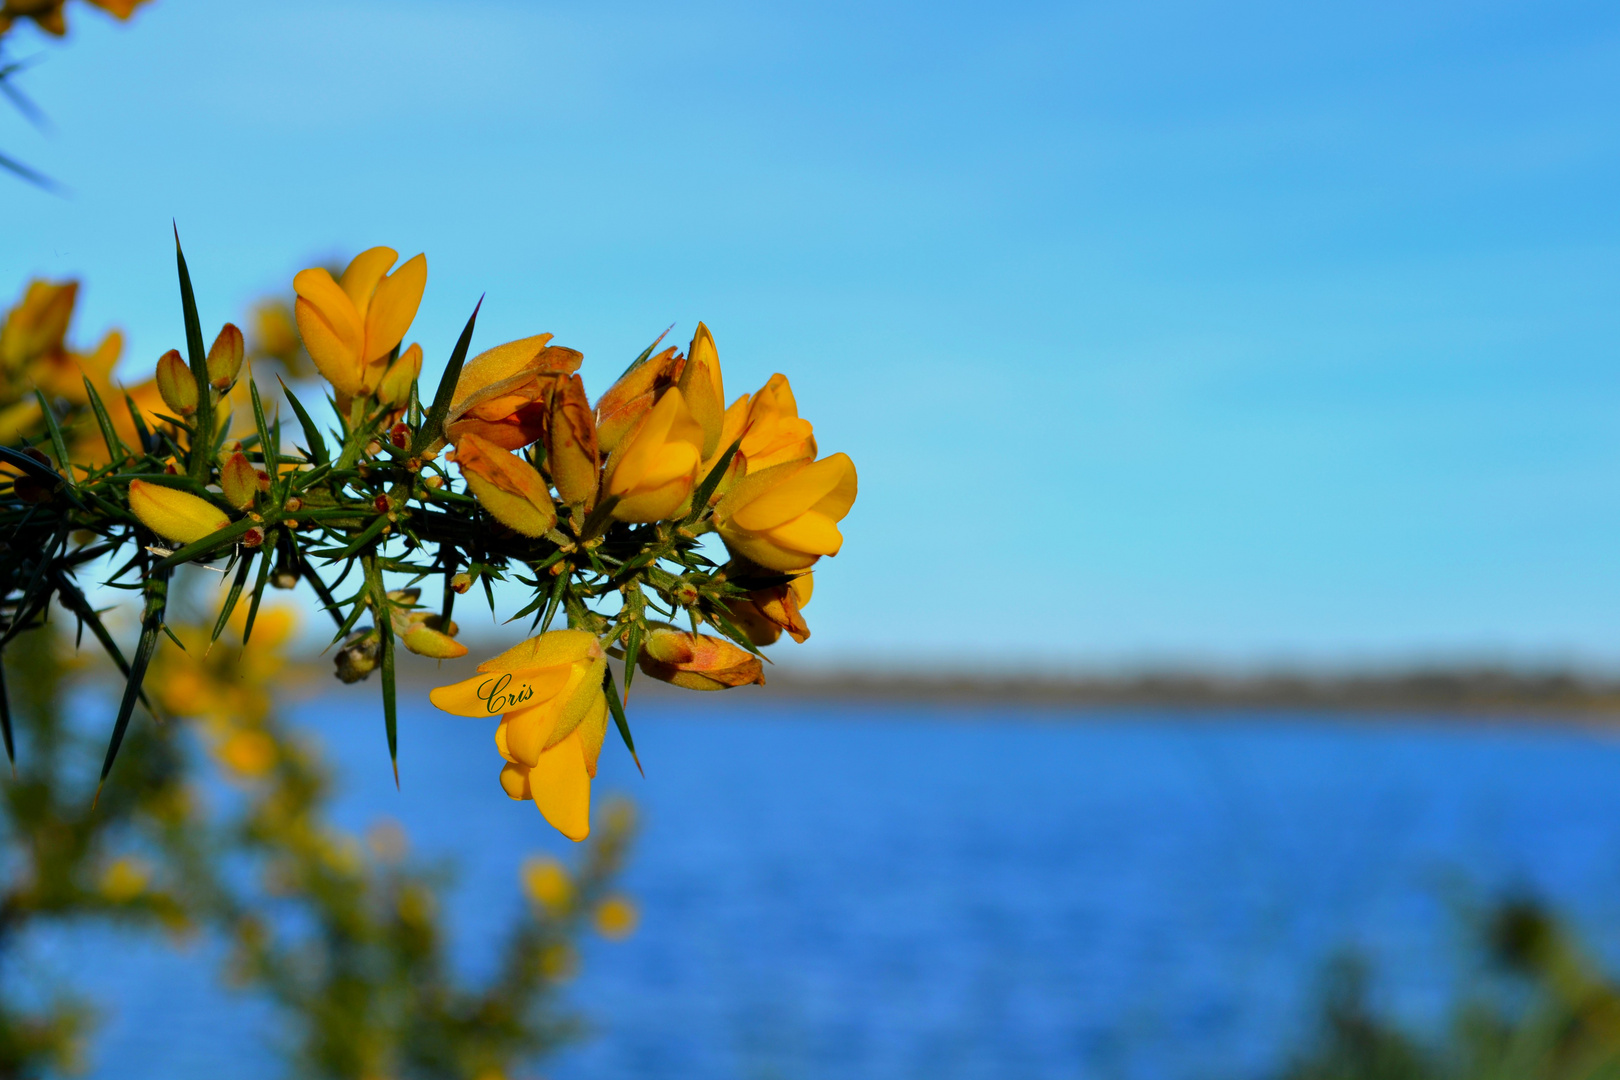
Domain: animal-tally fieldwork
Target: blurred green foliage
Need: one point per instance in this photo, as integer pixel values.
(343, 933)
(1545, 1011)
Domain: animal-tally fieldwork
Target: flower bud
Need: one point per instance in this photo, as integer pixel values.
(460, 583)
(225, 358)
(174, 515)
(175, 384)
(655, 466)
(238, 480)
(774, 432)
(571, 453)
(697, 661)
(359, 656)
(764, 613)
(395, 387)
(703, 388)
(426, 634)
(506, 485)
(786, 517)
(624, 403)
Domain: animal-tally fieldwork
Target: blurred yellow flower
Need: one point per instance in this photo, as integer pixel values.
(247, 753)
(617, 917)
(48, 15)
(124, 879)
(546, 882)
(548, 693)
(349, 326)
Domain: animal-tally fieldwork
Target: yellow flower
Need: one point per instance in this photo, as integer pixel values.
(572, 458)
(350, 326)
(247, 752)
(703, 388)
(653, 469)
(125, 879)
(786, 517)
(174, 515)
(764, 613)
(503, 395)
(697, 661)
(548, 693)
(506, 485)
(38, 325)
(617, 917)
(624, 403)
(546, 882)
(175, 383)
(774, 432)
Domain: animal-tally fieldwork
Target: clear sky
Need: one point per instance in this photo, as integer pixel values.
(1226, 332)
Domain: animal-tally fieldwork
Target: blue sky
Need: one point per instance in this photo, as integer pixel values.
(1237, 333)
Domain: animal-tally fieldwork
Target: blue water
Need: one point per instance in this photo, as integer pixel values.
(905, 891)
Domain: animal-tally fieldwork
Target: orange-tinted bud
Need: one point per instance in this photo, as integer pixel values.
(395, 387)
(400, 436)
(654, 468)
(225, 358)
(764, 613)
(175, 384)
(633, 396)
(460, 583)
(571, 454)
(253, 537)
(703, 388)
(503, 395)
(174, 515)
(506, 485)
(697, 661)
(786, 517)
(238, 480)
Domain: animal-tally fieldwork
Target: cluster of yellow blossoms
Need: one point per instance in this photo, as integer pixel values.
(599, 507)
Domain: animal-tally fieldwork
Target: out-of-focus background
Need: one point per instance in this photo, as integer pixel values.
(1217, 678)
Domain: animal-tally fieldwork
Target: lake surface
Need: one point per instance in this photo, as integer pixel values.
(857, 891)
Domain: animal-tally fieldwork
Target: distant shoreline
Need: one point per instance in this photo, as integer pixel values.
(1485, 692)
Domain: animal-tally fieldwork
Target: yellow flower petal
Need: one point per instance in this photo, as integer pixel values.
(497, 692)
(365, 270)
(796, 493)
(393, 307)
(562, 789)
(554, 647)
